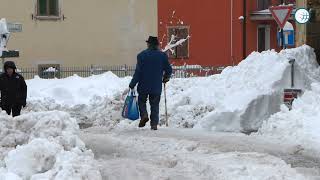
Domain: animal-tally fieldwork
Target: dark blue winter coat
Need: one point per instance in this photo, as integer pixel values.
(152, 66)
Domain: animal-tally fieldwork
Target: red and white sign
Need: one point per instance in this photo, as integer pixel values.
(281, 14)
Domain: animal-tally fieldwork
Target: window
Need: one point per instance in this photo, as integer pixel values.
(290, 1)
(48, 8)
(175, 34)
(263, 38)
(264, 4)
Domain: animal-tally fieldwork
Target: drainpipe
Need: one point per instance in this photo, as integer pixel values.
(231, 42)
(244, 30)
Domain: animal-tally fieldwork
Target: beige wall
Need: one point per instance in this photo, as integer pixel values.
(108, 32)
(301, 29)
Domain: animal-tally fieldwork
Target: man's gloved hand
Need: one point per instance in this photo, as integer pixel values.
(131, 87)
(125, 92)
(165, 79)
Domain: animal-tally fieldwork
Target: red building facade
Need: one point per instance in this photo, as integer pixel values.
(216, 30)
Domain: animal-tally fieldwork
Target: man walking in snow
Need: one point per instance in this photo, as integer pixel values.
(13, 90)
(152, 69)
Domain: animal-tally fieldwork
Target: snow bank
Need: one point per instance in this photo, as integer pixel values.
(75, 90)
(101, 111)
(301, 125)
(36, 146)
(241, 97)
(238, 99)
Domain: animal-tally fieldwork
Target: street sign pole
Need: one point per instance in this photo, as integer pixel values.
(282, 39)
(282, 35)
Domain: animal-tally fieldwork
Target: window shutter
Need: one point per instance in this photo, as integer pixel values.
(54, 8)
(261, 39)
(263, 4)
(42, 7)
(267, 4)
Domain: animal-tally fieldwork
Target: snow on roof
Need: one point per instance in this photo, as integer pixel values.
(267, 12)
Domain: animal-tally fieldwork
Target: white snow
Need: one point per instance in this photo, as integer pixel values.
(37, 144)
(239, 99)
(179, 154)
(299, 126)
(51, 69)
(75, 90)
(43, 143)
(36, 157)
(229, 102)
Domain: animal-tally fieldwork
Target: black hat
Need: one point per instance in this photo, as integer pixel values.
(9, 64)
(153, 40)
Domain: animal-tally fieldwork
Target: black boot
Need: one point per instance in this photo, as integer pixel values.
(143, 121)
(154, 127)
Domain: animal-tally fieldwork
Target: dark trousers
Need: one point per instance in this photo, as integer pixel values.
(15, 109)
(154, 101)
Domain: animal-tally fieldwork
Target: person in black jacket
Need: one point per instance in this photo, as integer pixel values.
(152, 69)
(13, 90)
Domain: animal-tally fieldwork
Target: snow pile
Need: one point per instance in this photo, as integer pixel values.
(102, 111)
(238, 99)
(241, 97)
(75, 90)
(306, 60)
(301, 125)
(96, 100)
(44, 145)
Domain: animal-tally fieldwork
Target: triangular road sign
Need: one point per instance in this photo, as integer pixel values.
(281, 14)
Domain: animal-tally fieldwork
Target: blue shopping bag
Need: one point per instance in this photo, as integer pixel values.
(130, 109)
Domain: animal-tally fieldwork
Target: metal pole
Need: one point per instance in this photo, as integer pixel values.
(282, 35)
(231, 27)
(282, 39)
(165, 104)
(244, 30)
(292, 72)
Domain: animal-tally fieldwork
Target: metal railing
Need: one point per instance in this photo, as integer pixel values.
(121, 71)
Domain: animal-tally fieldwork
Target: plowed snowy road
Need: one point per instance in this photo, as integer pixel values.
(142, 154)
